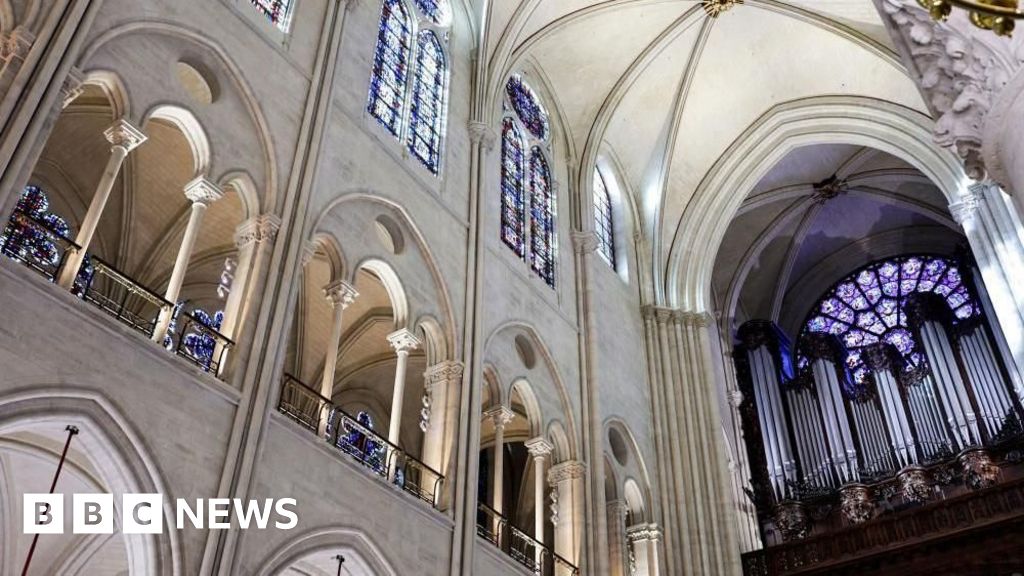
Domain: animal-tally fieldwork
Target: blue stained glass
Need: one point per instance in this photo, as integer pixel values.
(390, 66)
(513, 201)
(542, 219)
(278, 11)
(878, 293)
(436, 10)
(32, 234)
(604, 225)
(426, 117)
(528, 107)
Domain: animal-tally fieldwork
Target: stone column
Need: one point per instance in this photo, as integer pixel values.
(14, 48)
(441, 386)
(403, 341)
(566, 479)
(539, 448)
(617, 552)
(500, 416)
(202, 193)
(123, 138)
(643, 539)
(992, 227)
(341, 295)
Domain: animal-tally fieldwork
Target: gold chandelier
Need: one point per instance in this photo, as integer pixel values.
(995, 15)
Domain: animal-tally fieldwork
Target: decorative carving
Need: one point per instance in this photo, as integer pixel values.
(203, 191)
(792, 521)
(830, 188)
(882, 358)
(568, 470)
(715, 7)
(553, 507)
(856, 503)
(822, 346)
(959, 76)
(584, 242)
(403, 341)
(73, 86)
(124, 135)
(914, 484)
(443, 373)
(979, 470)
(340, 293)
(482, 133)
(258, 230)
(16, 44)
(500, 416)
(643, 533)
(309, 250)
(539, 447)
(970, 202)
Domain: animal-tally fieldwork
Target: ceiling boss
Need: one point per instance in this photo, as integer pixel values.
(995, 15)
(716, 7)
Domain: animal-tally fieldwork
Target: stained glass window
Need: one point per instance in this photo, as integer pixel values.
(527, 107)
(867, 307)
(542, 229)
(436, 10)
(604, 225)
(513, 202)
(428, 101)
(390, 66)
(278, 11)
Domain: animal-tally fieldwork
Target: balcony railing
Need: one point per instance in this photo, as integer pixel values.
(45, 250)
(356, 438)
(520, 546)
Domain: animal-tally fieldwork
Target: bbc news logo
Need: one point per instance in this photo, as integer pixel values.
(144, 514)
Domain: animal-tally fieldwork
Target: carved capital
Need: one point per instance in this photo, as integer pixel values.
(258, 230)
(500, 416)
(659, 314)
(643, 533)
(309, 250)
(563, 471)
(694, 319)
(967, 208)
(73, 86)
(123, 134)
(340, 293)
(481, 133)
(584, 242)
(403, 341)
(539, 447)
(444, 373)
(202, 191)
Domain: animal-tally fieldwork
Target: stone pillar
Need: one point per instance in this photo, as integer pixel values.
(403, 341)
(441, 386)
(540, 449)
(123, 138)
(993, 229)
(566, 480)
(341, 295)
(500, 416)
(643, 540)
(202, 193)
(14, 48)
(618, 555)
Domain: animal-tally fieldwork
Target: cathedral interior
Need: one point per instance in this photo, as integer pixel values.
(516, 287)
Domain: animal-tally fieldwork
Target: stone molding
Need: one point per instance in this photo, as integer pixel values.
(482, 133)
(73, 86)
(443, 373)
(584, 242)
(539, 447)
(262, 228)
(644, 533)
(16, 44)
(203, 191)
(500, 416)
(568, 470)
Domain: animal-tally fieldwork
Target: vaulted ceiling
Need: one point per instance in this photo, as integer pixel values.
(663, 89)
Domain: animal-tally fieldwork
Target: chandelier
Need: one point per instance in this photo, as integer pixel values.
(995, 15)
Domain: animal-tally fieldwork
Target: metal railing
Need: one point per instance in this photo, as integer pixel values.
(198, 342)
(121, 297)
(520, 546)
(358, 440)
(46, 255)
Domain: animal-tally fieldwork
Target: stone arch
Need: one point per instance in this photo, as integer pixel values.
(115, 451)
(113, 87)
(328, 244)
(392, 284)
(534, 414)
(185, 121)
(359, 547)
(857, 120)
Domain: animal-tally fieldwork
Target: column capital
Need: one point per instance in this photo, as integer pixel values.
(539, 447)
(967, 207)
(403, 341)
(659, 314)
(482, 133)
(16, 43)
(122, 133)
(443, 372)
(73, 86)
(340, 293)
(203, 191)
(257, 230)
(500, 415)
(643, 532)
(308, 253)
(692, 319)
(568, 470)
(619, 508)
(584, 242)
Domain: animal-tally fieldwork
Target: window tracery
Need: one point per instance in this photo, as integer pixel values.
(413, 113)
(868, 307)
(527, 191)
(604, 224)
